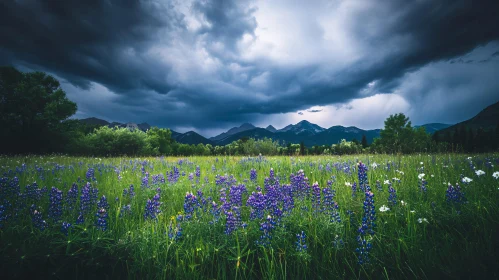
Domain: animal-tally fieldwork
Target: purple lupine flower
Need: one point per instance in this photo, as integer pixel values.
(33, 192)
(301, 242)
(65, 227)
(145, 181)
(85, 199)
(215, 211)
(202, 202)
(299, 182)
(175, 233)
(328, 167)
(454, 195)
(37, 218)
(94, 194)
(90, 175)
(231, 223)
(103, 203)
(271, 173)
(191, 176)
(71, 197)
(190, 205)
(257, 203)
(131, 191)
(363, 250)
(316, 197)
(362, 175)
(198, 171)
(236, 195)
(369, 215)
(392, 198)
(253, 175)
(152, 208)
(101, 222)
(367, 227)
(288, 202)
(330, 207)
(267, 227)
(329, 183)
(80, 219)
(55, 206)
(423, 186)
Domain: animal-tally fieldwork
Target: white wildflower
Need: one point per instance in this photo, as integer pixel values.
(421, 163)
(421, 176)
(466, 180)
(421, 220)
(403, 203)
(413, 211)
(480, 172)
(374, 165)
(387, 182)
(383, 208)
(496, 175)
(432, 175)
(469, 158)
(348, 184)
(395, 179)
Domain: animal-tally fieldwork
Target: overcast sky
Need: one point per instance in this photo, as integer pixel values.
(211, 65)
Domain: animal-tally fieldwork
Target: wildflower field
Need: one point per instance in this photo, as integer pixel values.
(363, 216)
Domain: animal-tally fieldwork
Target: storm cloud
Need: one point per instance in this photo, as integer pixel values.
(208, 65)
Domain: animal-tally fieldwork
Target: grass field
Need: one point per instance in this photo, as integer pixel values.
(250, 218)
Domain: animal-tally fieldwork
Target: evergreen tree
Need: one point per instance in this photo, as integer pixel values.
(470, 142)
(302, 148)
(364, 141)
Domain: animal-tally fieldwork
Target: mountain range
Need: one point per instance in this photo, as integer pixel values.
(311, 134)
(487, 119)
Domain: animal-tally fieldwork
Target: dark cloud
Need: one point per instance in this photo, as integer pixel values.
(158, 68)
(89, 41)
(225, 21)
(300, 113)
(314, 111)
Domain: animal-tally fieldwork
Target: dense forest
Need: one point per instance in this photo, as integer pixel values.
(35, 119)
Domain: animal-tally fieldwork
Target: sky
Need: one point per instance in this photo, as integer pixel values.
(211, 65)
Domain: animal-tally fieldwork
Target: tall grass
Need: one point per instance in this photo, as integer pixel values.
(425, 237)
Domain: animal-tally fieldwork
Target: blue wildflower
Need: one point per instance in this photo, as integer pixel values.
(65, 227)
(301, 242)
(101, 223)
(55, 206)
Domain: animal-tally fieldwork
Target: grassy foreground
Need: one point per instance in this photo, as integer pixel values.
(393, 217)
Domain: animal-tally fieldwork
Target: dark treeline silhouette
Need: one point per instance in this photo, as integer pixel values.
(466, 139)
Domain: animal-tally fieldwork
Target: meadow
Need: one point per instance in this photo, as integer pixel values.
(321, 217)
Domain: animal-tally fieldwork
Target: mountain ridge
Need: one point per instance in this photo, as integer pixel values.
(304, 131)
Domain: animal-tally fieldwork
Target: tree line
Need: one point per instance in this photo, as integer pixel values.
(35, 116)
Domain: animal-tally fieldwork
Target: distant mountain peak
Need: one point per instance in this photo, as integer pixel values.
(271, 128)
(232, 131)
(247, 125)
(303, 126)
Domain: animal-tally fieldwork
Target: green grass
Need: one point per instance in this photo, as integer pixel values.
(458, 241)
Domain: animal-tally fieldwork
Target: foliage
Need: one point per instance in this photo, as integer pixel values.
(33, 112)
